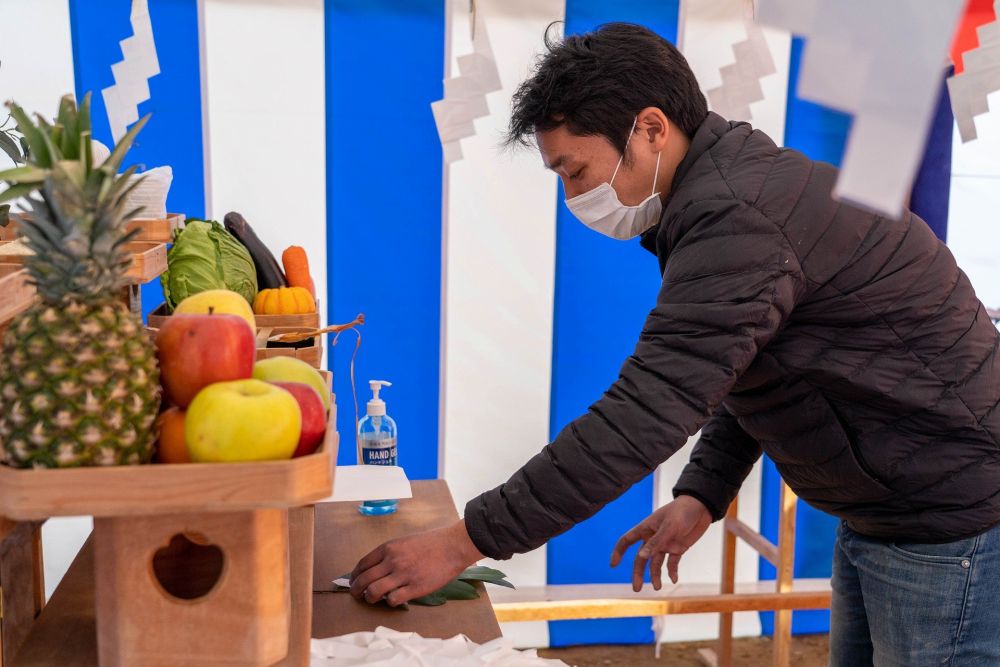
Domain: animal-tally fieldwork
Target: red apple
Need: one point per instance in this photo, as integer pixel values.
(198, 350)
(313, 416)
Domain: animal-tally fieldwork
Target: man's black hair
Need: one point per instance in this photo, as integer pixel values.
(595, 84)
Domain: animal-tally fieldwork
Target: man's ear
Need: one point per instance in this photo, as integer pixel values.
(654, 128)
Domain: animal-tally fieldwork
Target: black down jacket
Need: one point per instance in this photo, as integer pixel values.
(849, 347)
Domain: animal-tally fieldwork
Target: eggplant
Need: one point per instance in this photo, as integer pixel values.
(269, 273)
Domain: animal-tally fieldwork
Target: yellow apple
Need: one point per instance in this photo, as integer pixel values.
(290, 369)
(218, 301)
(243, 420)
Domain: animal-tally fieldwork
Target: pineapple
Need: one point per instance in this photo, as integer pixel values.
(79, 383)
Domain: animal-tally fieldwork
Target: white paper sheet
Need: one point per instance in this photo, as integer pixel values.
(981, 76)
(465, 94)
(360, 483)
(881, 61)
(139, 63)
(389, 648)
(752, 61)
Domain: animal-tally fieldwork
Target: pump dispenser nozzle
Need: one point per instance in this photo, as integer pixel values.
(376, 406)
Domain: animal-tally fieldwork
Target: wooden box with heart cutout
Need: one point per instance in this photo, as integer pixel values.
(182, 589)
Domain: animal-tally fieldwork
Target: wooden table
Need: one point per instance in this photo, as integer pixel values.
(65, 632)
(343, 537)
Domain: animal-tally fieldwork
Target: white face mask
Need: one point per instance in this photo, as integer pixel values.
(601, 210)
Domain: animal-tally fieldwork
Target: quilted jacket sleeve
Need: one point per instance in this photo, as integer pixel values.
(722, 458)
(730, 283)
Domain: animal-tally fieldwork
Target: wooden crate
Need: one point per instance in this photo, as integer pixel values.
(149, 260)
(152, 230)
(312, 355)
(156, 230)
(291, 322)
(169, 488)
(16, 292)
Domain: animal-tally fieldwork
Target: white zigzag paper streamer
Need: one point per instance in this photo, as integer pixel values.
(132, 74)
(741, 80)
(970, 89)
(881, 61)
(465, 95)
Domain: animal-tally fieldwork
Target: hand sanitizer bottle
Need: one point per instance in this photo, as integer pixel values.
(377, 441)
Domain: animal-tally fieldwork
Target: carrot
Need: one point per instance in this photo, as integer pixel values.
(297, 268)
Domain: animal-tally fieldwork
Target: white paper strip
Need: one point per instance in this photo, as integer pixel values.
(139, 63)
(981, 76)
(360, 483)
(881, 61)
(465, 95)
(741, 85)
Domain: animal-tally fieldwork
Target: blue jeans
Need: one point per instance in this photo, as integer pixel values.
(911, 605)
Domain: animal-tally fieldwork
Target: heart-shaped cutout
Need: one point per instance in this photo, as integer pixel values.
(189, 566)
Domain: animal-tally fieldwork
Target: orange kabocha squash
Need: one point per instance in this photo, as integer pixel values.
(284, 301)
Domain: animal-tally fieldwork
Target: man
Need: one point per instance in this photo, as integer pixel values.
(847, 346)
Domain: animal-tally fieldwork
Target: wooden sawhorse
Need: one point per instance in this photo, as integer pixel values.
(590, 601)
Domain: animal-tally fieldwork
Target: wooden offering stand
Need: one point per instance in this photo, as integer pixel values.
(191, 562)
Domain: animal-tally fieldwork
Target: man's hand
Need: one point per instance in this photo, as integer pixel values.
(670, 530)
(415, 565)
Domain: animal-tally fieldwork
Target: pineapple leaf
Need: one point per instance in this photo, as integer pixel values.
(86, 152)
(17, 191)
(58, 135)
(73, 170)
(83, 116)
(114, 160)
(67, 116)
(26, 174)
(33, 137)
(69, 145)
(11, 147)
(46, 131)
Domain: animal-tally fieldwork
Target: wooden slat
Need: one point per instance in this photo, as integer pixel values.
(301, 531)
(343, 537)
(618, 601)
(17, 589)
(725, 656)
(7, 528)
(16, 292)
(785, 568)
(767, 549)
(65, 633)
(38, 563)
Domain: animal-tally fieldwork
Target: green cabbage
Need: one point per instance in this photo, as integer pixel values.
(205, 256)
